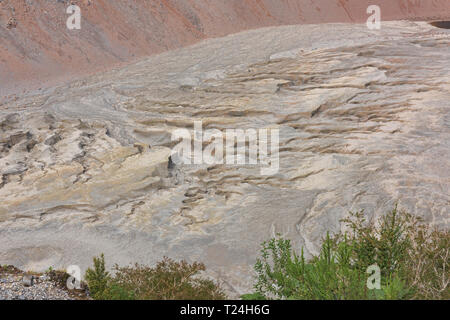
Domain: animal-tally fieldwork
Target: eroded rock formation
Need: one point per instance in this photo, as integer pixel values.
(363, 118)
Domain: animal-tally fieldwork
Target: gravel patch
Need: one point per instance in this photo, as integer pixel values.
(18, 285)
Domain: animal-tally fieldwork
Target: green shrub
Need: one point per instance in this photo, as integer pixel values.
(98, 279)
(413, 259)
(284, 275)
(385, 244)
(253, 296)
(168, 280)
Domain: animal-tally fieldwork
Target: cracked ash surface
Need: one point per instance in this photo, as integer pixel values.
(364, 121)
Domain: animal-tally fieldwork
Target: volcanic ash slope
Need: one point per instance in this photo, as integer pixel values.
(364, 121)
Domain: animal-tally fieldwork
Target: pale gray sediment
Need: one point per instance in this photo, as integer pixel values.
(364, 120)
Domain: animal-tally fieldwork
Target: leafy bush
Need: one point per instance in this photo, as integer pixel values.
(98, 279)
(168, 280)
(413, 259)
(253, 296)
(282, 274)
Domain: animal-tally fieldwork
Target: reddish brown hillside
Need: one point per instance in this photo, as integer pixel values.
(37, 49)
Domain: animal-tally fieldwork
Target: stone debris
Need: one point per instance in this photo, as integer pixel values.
(28, 280)
(18, 287)
(12, 23)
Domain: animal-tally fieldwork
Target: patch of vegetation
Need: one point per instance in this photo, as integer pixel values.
(9, 269)
(168, 280)
(413, 259)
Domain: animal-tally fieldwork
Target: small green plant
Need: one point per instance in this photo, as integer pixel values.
(98, 279)
(168, 280)
(9, 269)
(253, 296)
(394, 289)
(413, 259)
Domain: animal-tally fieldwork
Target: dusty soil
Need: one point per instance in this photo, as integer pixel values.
(38, 51)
